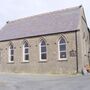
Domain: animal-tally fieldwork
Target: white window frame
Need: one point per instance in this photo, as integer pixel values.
(24, 52)
(61, 59)
(9, 54)
(40, 53)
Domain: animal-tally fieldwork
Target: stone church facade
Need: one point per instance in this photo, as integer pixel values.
(55, 42)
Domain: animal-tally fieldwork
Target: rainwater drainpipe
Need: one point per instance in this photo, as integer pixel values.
(76, 52)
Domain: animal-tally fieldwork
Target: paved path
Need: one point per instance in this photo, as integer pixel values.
(43, 82)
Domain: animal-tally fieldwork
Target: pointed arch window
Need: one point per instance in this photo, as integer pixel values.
(62, 49)
(25, 52)
(11, 53)
(43, 51)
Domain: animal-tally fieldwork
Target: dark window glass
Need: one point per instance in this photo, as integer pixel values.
(62, 54)
(12, 58)
(26, 44)
(62, 41)
(26, 50)
(63, 47)
(12, 52)
(43, 49)
(43, 42)
(26, 57)
(43, 56)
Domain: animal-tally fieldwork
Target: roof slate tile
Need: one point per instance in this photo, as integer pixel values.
(49, 23)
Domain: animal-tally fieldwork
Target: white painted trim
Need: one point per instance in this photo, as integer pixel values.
(25, 53)
(41, 53)
(61, 59)
(9, 55)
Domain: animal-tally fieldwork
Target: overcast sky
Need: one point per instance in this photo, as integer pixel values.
(15, 9)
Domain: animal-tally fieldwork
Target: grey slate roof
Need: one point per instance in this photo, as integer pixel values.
(49, 23)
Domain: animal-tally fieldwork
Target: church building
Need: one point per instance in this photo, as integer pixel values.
(55, 42)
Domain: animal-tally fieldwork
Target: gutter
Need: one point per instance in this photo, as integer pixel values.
(3, 40)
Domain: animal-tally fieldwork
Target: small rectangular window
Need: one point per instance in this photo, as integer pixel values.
(12, 52)
(62, 54)
(12, 58)
(26, 50)
(26, 57)
(43, 49)
(43, 56)
(62, 47)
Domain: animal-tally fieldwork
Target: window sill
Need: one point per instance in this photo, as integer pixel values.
(63, 59)
(42, 61)
(25, 62)
(11, 62)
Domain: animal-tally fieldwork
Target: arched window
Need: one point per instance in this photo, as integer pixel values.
(62, 49)
(25, 52)
(43, 51)
(11, 53)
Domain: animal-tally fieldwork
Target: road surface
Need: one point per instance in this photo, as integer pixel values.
(43, 82)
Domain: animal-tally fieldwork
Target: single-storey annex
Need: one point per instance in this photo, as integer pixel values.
(55, 42)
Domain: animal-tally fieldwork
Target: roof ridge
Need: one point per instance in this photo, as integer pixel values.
(50, 12)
